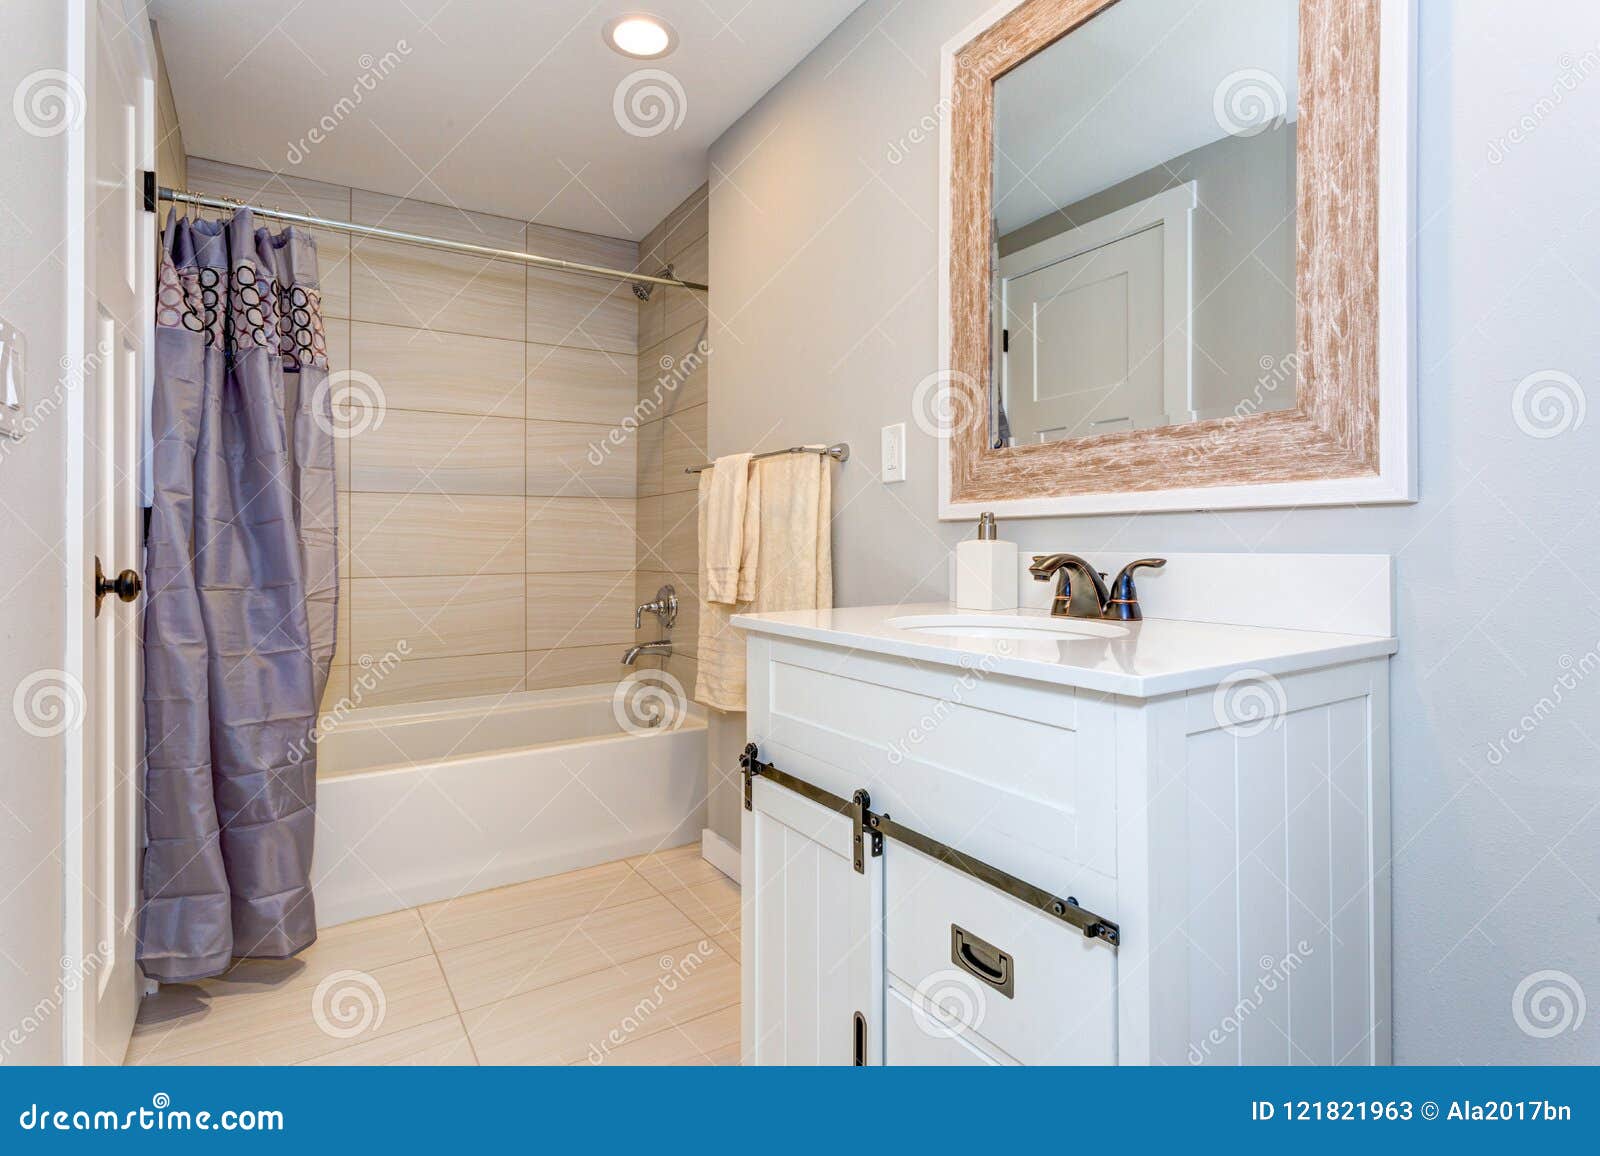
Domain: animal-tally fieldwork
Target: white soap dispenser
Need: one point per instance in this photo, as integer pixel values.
(986, 570)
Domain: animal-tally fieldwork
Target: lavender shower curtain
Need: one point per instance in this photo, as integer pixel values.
(242, 571)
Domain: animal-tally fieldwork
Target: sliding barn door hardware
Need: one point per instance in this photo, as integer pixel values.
(872, 828)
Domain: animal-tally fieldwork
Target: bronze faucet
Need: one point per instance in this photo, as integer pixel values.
(1090, 598)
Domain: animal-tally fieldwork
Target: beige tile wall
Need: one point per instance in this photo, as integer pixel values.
(673, 370)
(480, 526)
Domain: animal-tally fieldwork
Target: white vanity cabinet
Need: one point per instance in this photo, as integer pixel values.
(1229, 817)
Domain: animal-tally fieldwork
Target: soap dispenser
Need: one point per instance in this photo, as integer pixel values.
(986, 570)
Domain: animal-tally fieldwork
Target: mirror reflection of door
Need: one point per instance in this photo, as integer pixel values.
(1083, 341)
(1096, 330)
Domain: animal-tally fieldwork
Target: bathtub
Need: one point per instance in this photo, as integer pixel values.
(428, 801)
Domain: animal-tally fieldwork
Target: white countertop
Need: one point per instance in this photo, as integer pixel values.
(1144, 659)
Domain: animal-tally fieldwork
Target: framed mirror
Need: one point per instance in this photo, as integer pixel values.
(1176, 267)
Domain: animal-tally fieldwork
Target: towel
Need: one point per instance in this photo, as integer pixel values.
(724, 507)
(789, 509)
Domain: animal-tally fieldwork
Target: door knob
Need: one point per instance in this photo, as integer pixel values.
(126, 586)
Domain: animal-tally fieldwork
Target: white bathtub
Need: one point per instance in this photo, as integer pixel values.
(428, 801)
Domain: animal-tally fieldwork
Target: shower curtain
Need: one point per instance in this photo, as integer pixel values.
(242, 570)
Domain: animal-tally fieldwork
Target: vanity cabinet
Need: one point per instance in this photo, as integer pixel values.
(1235, 833)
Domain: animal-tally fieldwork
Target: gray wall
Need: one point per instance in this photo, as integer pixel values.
(1243, 243)
(33, 296)
(824, 302)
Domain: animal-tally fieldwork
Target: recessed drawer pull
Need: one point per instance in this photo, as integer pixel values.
(980, 958)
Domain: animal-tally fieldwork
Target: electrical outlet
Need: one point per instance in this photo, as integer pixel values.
(894, 452)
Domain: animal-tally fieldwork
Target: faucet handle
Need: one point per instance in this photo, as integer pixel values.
(1124, 601)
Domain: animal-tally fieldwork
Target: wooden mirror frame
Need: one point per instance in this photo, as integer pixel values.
(1350, 437)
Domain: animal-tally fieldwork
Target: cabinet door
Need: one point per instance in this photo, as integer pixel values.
(813, 949)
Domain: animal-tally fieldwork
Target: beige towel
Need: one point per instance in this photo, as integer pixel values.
(791, 504)
(724, 500)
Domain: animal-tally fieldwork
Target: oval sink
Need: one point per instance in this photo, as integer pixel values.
(1023, 628)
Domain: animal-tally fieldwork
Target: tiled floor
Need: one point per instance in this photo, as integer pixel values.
(633, 962)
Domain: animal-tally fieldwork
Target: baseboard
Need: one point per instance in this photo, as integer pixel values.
(720, 853)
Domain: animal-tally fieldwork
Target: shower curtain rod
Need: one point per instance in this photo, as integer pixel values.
(183, 197)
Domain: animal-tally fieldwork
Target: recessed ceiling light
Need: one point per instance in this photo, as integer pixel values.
(640, 35)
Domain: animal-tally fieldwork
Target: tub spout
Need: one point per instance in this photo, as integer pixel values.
(631, 655)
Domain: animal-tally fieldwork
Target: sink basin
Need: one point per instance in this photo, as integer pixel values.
(1020, 627)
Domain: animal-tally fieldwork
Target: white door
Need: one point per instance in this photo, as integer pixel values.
(813, 962)
(1085, 340)
(110, 256)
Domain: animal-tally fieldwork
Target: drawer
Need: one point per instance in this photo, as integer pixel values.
(915, 1038)
(1036, 987)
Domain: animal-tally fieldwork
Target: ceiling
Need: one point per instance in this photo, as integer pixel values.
(503, 106)
(1134, 87)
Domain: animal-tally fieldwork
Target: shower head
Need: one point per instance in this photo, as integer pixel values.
(642, 290)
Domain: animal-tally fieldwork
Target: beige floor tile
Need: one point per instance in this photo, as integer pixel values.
(488, 914)
(206, 1024)
(713, 905)
(363, 944)
(567, 1021)
(496, 969)
(442, 1043)
(730, 943)
(709, 1040)
(676, 867)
